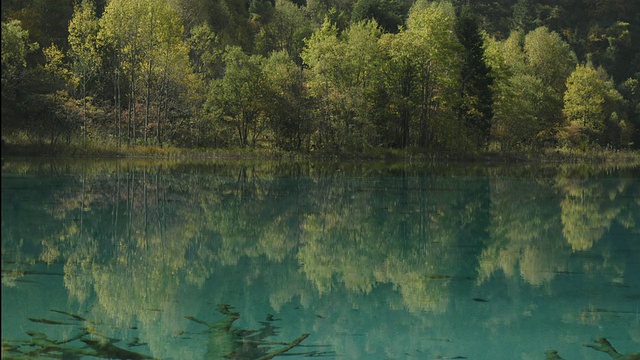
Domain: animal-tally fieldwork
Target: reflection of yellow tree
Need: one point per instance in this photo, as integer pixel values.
(140, 245)
(360, 240)
(589, 207)
(238, 222)
(523, 232)
(360, 268)
(584, 221)
(131, 252)
(421, 289)
(533, 220)
(349, 259)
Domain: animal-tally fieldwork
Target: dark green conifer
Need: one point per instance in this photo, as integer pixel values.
(475, 83)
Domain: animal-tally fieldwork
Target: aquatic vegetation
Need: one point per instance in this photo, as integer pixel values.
(229, 342)
(603, 345)
(84, 343)
(552, 355)
(225, 341)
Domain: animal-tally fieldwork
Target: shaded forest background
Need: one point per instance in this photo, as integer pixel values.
(340, 76)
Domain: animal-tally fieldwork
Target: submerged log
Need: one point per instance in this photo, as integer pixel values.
(552, 355)
(283, 350)
(110, 351)
(605, 346)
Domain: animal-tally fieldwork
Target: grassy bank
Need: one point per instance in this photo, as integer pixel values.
(137, 151)
(417, 155)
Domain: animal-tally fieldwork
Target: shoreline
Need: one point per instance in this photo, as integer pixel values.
(550, 155)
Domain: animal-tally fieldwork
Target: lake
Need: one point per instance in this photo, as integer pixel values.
(359, 260)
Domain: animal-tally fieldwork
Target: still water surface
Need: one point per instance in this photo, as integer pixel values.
(118, 259)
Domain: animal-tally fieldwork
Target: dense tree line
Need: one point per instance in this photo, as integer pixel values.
(338, 76)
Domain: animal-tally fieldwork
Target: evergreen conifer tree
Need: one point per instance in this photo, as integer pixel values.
(475, 81)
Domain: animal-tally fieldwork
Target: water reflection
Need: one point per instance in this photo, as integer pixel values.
(147, 248)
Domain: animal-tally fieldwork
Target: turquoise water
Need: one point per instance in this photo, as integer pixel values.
(117, 259)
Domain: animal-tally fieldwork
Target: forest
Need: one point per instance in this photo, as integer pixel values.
(326, 76)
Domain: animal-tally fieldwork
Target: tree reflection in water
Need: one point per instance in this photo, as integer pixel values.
(133, 238)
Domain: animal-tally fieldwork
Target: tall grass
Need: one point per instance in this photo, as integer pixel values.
(22, 146)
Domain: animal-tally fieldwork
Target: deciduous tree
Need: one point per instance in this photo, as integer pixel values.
(589, 105)
(434, 25)
(15, 47)
(344, 69)
(290, 119)
(83, 52)
(238, 98)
